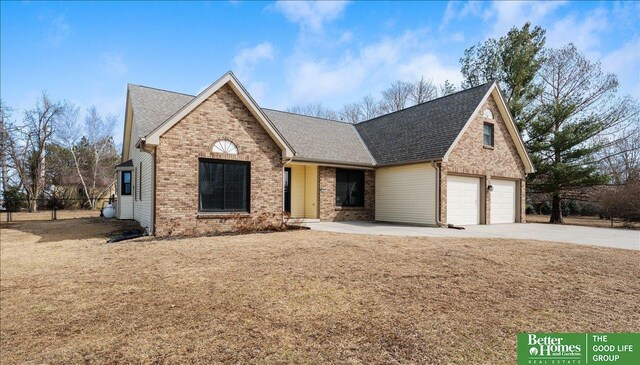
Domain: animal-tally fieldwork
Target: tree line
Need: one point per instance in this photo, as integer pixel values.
(582, 135)
(49, 155)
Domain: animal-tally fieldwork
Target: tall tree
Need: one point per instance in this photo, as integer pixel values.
(92, 151)
(5, 114)
(513, 61)
(577, 106)
(396, 97)
(423, 91)
(369, 107)
(28, 143)
(351, 113)
(314, 110)
(447, 88)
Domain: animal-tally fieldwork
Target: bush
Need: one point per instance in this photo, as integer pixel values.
(15, 200)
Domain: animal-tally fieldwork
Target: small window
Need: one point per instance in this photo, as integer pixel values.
(225, 146)
(224, 186)
(349, 188)
(125, 189)
(488, 134)
(488, 114)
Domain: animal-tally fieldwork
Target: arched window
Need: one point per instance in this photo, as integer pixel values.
(488, 114)
(225, 146)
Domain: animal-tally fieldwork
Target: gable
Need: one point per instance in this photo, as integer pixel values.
(423, 132)
(496, 103)
(153, 138)
(470, 155)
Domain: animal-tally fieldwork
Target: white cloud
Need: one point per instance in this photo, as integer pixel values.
(113, 64)
(311, 14)
(247, 58)
(456, 12)
(625, 62)
(57, 28)
(583, 31)
(505, 15)
(365, 71)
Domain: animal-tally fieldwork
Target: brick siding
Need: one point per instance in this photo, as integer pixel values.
(471, 157)
(223, 115)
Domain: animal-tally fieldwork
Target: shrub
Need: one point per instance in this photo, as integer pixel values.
(14, 199)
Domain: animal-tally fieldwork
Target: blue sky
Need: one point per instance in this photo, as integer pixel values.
(284, 53)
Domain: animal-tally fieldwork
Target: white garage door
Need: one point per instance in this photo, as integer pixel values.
(463, 200)
(503, 201)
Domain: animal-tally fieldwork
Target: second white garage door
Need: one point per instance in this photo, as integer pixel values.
(503, 201)
(463, 200)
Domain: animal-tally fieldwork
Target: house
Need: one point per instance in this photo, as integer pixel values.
(192, 162)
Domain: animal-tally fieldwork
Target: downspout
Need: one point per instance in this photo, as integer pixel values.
(437, 167)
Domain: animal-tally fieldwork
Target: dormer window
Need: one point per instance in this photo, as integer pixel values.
(225, 146)
(488, 114)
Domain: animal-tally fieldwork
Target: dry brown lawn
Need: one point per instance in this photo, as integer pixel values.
(585, 221)
(67, 297)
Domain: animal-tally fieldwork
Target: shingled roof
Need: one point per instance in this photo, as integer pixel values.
(422, 132)
(319, 139)
(152, 107)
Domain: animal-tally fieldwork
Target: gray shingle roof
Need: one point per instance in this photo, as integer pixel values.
(127, 163)
(419, 133)
(321, 139)
(423, 132)
(151, 107)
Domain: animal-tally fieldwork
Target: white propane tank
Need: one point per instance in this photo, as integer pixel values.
(108, 211)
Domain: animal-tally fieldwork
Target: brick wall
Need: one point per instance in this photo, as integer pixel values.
(471, 157)
(223, 115)
(328, 209)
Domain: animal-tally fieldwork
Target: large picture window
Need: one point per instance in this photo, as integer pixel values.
(224, 186)
(125, 189)
(349, 188)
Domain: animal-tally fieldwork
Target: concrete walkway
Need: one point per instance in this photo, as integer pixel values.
(606, 237)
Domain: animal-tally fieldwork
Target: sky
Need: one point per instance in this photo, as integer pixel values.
(285, 53)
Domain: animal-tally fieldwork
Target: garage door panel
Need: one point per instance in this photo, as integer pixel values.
(503, 201)
(463, 200)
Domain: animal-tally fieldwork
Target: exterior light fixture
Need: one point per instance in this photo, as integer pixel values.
(490, 187)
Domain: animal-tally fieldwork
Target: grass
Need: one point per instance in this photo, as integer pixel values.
(585, 221)
(67, 297)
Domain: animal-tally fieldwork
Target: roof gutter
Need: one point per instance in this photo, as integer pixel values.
(332, 163)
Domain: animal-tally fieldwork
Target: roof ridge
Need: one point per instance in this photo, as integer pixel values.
(426, 102)
(308, 116)
(163, 90)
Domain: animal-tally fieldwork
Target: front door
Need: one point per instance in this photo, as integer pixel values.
(287, 189)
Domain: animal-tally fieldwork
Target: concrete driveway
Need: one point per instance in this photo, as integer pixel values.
(606, 237)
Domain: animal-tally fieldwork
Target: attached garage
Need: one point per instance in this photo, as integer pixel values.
(503, 201)
(406, 194)
(463, 200)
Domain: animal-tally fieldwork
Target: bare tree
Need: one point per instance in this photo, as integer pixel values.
(92, 151)
(396, 96)
(28, 144)
(369, 108)
(351, 113)
(447, 88)
(314, 110)
(620, 158)
(5, 114)
(423, 91)
(577, 108)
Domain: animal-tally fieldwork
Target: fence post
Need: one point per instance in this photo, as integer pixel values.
(54, 212)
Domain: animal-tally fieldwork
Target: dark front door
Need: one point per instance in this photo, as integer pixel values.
(287, 189)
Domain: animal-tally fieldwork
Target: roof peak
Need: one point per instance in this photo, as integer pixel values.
(158, 89)
(308, 116)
